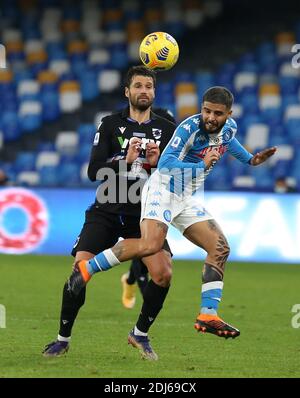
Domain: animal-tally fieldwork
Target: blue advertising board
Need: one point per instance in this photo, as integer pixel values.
(259, 227)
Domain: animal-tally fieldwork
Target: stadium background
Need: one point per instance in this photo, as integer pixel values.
(65, 65)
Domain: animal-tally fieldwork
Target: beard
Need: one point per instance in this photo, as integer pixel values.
(141, 104)
(214, 129)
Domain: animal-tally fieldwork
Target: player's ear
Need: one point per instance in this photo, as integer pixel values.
(126, 92)
(230, 112)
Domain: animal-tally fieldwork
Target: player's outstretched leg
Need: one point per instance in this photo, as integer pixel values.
(124, 250)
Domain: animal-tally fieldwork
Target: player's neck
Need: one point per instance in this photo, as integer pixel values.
(139, 116)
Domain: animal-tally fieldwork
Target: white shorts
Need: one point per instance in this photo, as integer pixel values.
(158, 203)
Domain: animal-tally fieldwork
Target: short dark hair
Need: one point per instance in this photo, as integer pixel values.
(139, 70)
(219, 95)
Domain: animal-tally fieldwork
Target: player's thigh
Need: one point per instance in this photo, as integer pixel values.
(159, 264)
(207, 235)
(98, 233)
(153, 234)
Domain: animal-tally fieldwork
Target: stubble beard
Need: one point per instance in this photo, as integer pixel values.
(141, 106)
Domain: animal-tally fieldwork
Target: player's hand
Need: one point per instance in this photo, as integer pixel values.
(211, 157)
(152, 153)
(134, 149)
(262, 156)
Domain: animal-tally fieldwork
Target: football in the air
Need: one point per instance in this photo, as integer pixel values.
(159, 51)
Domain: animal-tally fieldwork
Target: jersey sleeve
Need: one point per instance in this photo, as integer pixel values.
(239, 152)
(101, 151)
(183, 139)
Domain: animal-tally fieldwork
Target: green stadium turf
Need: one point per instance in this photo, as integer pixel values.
(258, 299)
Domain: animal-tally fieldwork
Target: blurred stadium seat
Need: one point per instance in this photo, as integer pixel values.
(66, 64)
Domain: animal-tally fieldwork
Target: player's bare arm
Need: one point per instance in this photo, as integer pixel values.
(262, 156)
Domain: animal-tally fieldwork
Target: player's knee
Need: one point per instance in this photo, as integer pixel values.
(163, 275)
(163, 279)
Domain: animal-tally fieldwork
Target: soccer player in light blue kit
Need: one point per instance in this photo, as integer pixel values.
(171, 196)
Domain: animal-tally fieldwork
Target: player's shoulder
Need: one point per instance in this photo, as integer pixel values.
(231, 123)
(163, 121)
(112, 116)
(109, 120)
(191, 123)
(230, 127)
(164, 113)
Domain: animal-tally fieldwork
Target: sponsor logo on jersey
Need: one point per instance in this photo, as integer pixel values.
(167, 215)
(221, 149)
(122, 129)
(156, 133)
(125, 142)
(121, 142)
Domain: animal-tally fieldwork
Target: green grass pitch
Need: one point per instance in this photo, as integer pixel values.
(258, 299)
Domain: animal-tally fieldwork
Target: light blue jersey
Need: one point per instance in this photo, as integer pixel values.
(189, 145)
